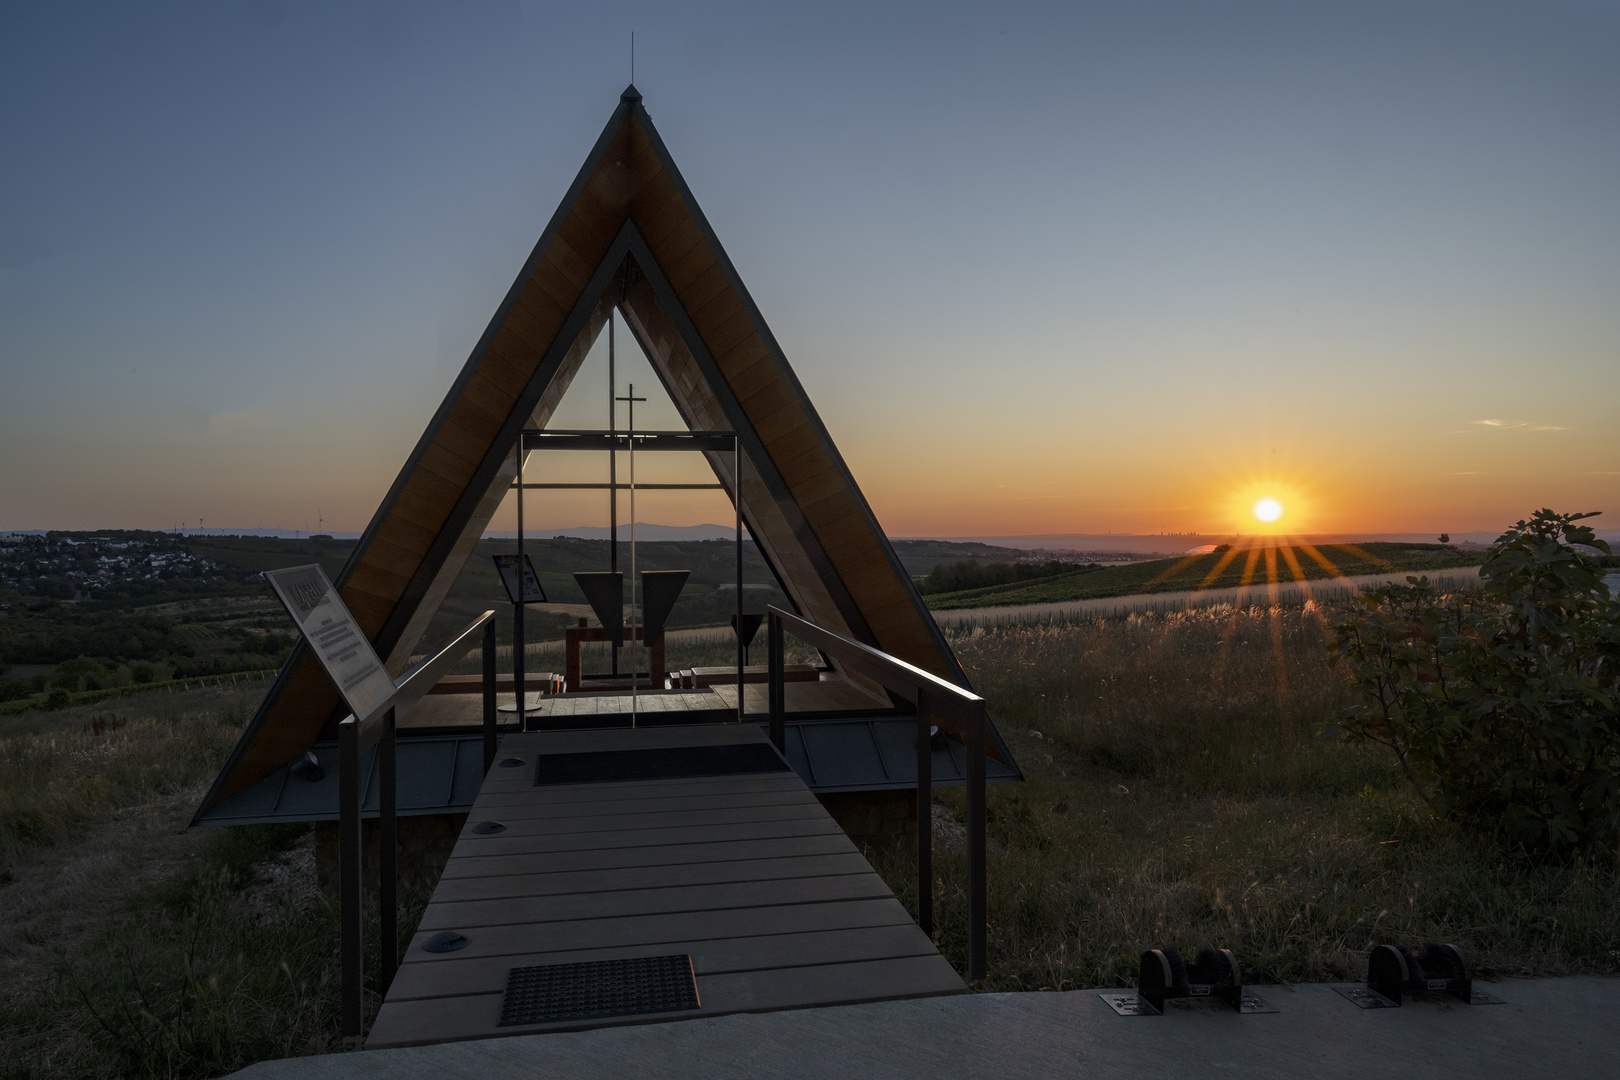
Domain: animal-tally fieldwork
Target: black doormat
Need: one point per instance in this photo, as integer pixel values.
(598, 988)
(606, 766)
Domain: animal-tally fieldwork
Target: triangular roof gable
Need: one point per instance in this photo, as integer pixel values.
(629, 235)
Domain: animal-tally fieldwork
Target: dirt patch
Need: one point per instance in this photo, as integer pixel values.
(286, 881)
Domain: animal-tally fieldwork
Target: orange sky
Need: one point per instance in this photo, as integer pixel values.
(1043, 270)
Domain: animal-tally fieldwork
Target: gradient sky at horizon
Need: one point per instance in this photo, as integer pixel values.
(1042, 268)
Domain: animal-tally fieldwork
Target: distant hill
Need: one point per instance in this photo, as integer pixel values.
(259, 553)
(1214, 571)
(919, 557)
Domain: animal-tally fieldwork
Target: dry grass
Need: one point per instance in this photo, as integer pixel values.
(1187, 786)
(130, 946)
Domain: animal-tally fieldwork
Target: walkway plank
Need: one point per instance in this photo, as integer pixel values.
(512, 807)
(454, 978)
(685, 854)
(647, 877)
(503, 843)
(565, 907)
(544, 824)
(746, 874)
(442, 1019)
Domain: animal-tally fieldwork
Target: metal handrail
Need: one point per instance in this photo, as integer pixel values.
(935, 699)
(356, 735)
(415, 681)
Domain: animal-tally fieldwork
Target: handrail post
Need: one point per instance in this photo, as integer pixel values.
(517, 665)
(388, 852)
(742, 650)
(925, 817)
(350, 855)
(489, 694)
(978, 895)
(935, 698)
(778, 682)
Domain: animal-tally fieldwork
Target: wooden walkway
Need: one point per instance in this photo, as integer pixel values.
(745, 873)
(833, 693)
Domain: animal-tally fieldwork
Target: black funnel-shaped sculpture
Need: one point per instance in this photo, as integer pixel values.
(604, 590)
(659, 591)
(750, 627)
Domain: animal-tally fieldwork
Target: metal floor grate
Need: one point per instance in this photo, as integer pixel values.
(599, 988)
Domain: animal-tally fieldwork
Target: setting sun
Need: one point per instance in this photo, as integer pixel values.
(1268, 510)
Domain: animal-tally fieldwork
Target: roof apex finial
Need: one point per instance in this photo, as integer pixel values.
(630, 93)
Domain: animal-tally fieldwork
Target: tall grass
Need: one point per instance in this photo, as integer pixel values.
(1187, 785)
(128, 945)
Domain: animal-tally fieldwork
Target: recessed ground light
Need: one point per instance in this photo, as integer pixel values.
(445, 941)
(488, 828)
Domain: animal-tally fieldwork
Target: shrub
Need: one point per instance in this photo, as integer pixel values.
(71, 673)
(142, 673)
(1500, 702)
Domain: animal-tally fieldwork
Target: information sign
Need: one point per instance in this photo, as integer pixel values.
(335, 637)
(507, 565)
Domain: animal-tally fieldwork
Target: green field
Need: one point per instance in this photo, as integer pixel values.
(1186, 784)
(1213, 571)
(259, 553)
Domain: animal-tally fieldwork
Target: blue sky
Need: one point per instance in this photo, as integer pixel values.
(1043, 268)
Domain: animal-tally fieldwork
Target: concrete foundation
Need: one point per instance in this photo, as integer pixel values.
(1547, 1028)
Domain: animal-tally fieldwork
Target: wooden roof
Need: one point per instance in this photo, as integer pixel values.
(629, 235)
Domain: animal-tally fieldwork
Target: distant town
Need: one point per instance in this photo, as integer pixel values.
(95, 567)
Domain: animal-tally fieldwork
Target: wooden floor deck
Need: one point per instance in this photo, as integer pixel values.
(832, 693)
(747, 874)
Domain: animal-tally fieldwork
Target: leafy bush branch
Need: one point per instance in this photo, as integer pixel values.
(1500, 702)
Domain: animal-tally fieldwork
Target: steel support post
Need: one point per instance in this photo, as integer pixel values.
(778, 682)
(978, 894)
(388, 853)
(736, 485)
(350, 914)
(518, 639)
(925, 817)
(489, 694)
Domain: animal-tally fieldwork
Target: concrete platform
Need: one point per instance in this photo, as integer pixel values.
(1547, 1028)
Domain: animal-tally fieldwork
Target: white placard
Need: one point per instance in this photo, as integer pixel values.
(335, 637)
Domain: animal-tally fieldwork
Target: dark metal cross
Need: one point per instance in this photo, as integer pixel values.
(630, 396)
(631, 399)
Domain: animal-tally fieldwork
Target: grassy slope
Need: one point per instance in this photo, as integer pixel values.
(1194, 572)
(129, 945)
(1187, 787)
(268, 553)
(919, 557)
